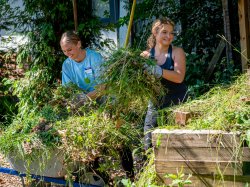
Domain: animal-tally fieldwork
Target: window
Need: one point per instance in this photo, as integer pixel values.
(107, 10)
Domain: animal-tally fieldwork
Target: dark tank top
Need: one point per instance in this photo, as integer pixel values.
(172, 87)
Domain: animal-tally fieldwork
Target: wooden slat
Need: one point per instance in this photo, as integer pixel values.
(202, 154)
(197, 167)
(215, 59)
(211, 181)
(194, 138)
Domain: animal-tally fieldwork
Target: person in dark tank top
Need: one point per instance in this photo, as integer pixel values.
(170, 68)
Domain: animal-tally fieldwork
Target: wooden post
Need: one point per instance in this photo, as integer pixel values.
(244, 19)
(75, 14)
(181, 117)
(227, 30)
(215, 59)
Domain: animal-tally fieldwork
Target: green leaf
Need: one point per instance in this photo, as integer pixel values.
(87, 80)
(172, 176)
(248, 138)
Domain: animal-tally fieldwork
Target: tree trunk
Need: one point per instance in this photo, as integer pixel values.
(75, 14)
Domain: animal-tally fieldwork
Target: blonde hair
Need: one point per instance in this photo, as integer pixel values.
(70, 37)
(156, 26)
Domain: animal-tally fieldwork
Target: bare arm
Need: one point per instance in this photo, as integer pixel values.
(179, 58)
(178, 74)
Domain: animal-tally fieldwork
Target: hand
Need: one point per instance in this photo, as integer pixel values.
(153, 70)
(145, 54)
(79, 100)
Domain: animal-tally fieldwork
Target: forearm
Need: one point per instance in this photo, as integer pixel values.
(173, 76)
(97, 92)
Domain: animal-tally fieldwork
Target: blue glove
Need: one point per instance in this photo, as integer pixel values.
(153, 70)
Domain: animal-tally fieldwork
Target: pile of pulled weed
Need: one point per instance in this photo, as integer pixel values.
(95, 135)
(128, 85)
(81, 138)
(93, 130)
(222, 108)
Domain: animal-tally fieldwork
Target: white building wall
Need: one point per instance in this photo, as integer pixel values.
(122, 30)
(8, 40)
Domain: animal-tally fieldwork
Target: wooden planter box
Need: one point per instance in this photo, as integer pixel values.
(206, 154)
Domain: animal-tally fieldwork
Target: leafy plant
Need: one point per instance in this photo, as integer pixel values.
(148, 176)
(179, 178)
(7, 14)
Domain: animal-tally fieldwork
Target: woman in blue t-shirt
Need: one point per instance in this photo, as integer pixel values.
(170, 67)
(82, 67)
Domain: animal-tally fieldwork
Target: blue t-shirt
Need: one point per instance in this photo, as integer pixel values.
(85, 74)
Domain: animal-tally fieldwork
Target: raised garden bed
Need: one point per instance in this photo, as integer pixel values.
(209, 155)
(207, 138)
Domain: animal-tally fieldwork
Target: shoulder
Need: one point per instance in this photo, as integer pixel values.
(177, 51)
(92, 52)
(67, 62)
(94, 57)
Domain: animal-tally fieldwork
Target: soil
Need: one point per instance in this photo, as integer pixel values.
(7, 180)
(9, 70)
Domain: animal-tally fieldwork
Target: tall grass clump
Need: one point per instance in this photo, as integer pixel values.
(127, 84)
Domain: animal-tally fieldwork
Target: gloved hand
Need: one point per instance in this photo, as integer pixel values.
(153, 70)
(79, 100)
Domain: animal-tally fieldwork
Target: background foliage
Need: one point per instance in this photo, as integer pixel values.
(42, 23)
(198, 22)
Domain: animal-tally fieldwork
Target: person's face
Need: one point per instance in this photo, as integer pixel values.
(71, 50)
(165, 35)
